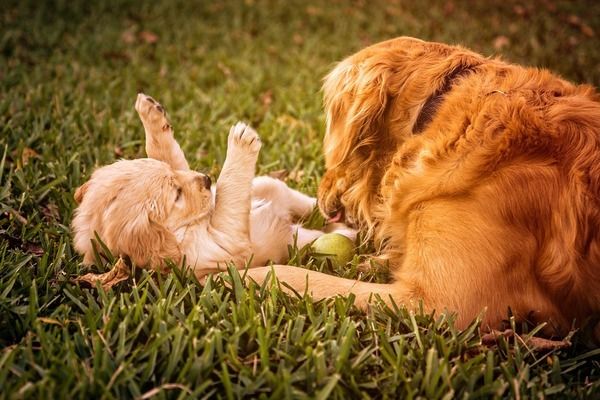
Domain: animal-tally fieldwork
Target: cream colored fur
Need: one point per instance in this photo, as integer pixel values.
(156, 209)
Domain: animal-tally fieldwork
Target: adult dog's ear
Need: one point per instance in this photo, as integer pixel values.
(142, 238)
(81, 191)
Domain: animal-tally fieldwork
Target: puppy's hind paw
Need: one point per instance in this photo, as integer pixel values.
(152, 114)
(243, 137)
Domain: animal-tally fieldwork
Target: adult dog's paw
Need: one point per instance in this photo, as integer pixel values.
(152, 114)
(243, 138)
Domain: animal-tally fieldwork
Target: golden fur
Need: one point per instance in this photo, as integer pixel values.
(494, 205)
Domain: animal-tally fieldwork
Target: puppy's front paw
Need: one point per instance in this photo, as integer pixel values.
(153, 115)
(243, 138)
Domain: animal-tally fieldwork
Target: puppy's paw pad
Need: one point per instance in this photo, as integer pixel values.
(151, 113)
(244, 137)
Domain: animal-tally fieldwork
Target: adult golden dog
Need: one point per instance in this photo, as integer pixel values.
(478, 179)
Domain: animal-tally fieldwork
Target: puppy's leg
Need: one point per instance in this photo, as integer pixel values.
(230, 221)
(160, 142)
(305, 236)
(284, 198)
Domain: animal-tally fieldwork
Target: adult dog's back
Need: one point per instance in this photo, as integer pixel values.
(479, 179)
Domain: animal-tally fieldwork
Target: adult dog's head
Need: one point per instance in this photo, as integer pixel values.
(373, 100)
(136, 206)
(385, 101)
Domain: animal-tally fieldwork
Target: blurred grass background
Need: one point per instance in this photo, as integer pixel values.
(69, 74)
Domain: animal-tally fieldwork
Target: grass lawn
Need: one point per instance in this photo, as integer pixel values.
(69, 74)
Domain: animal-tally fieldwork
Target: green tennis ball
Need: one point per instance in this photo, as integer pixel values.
(334, 246)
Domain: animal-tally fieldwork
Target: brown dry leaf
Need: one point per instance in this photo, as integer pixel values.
(148, 37)
(573, 41)
(27, 154)
(536, 343)
(587, 30)
(574, 20)
(118, 273)
(312, 10)
(520, 10)
(18, 216)
(116, 55)
(128, 36)
(501, 42)
(224, 69)
(50, 211)
(298, 39)
(266, 98)
(34, 249)
(118, 150)
(49, 321)
(449, 8)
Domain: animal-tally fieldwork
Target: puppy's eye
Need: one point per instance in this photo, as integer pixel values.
(178, 194)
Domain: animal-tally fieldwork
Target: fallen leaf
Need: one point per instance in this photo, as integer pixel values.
(148, 37)
(34, 249)
(574, 20)
(298, 39)
(534, 342)
(224, 69)
(116, 55)
(520, 10)
(18, 216)
(449, 8)
(118, 150)
(50, 211)
(573, 41)
(49, 321)
(266, 98)
(501, 42)
(27, 154)
(587, 30)
(118, 273)
(128, 36)
(312, 10)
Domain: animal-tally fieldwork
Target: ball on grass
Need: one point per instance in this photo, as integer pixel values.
(334, 246)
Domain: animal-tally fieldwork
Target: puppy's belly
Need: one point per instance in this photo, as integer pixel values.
(270, 233)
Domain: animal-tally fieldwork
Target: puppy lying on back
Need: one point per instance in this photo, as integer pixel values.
(156, 209)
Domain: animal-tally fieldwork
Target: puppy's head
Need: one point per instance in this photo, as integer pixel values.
(135, 206)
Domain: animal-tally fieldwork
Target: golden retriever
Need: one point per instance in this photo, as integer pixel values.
(155, 209)
(479, 181)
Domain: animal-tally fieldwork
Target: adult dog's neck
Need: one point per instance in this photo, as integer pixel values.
(432, 104)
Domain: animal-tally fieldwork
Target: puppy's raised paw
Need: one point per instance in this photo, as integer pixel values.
(152, 114)
(243, 138)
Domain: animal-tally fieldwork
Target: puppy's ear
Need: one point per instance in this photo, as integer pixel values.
(81, 191)
(146, 241)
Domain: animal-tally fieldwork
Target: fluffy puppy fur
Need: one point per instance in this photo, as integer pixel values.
(479, 181)
(155, 209)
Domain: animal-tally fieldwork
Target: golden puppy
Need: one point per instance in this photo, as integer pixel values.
(479, 180)
(155, 209)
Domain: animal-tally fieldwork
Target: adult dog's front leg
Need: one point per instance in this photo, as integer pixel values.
(160, 141)
(230, 222)
(321, 286)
